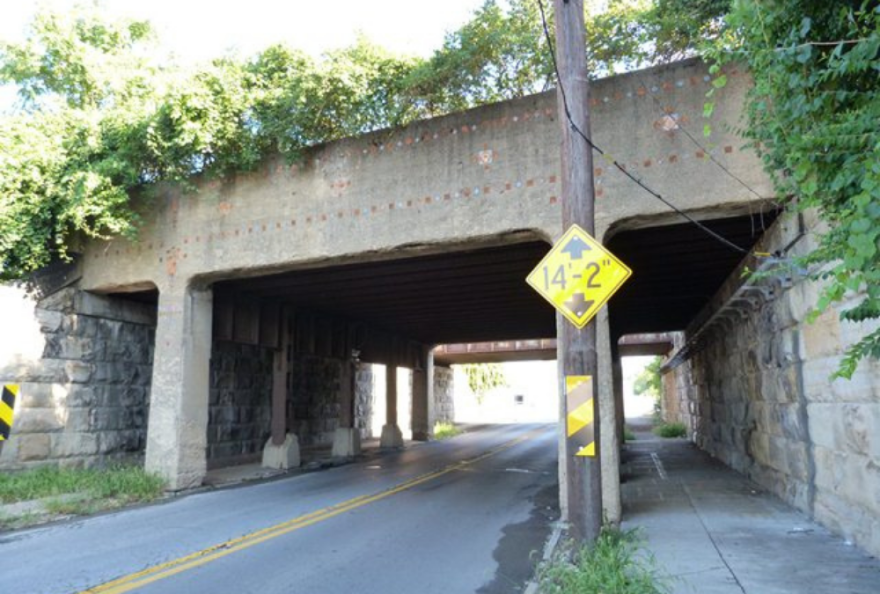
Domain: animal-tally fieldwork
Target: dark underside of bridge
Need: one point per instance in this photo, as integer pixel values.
(481, 294)
(676, 271)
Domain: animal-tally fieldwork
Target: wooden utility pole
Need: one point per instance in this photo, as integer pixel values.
(577, 348)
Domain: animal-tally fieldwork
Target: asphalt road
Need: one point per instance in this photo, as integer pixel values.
(452, 517)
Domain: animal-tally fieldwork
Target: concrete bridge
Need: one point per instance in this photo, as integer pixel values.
(428, 230)
(251, 310)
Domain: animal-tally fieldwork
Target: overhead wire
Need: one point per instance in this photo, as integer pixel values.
(679, 124)
(614, 161)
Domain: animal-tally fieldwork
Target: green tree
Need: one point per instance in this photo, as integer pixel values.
(484, 377)
(813, 116)
(649, 382)
(104, 115)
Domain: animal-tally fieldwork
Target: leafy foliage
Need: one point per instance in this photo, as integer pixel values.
(670, 430)
(104, 115)
(445, 430)
(649, 382)
(813, 118)
(483, 377)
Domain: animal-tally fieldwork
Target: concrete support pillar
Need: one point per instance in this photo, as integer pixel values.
(564, 462)
(391, 434)
(617, 383)
(429, 373)
(609, 445)
(282, 449)
(178, 422)
(421, 403)
(347, 439)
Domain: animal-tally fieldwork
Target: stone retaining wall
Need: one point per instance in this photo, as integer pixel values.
(444, 394)
(84, 366)
(315, 396)
(677, 402)
(763, 402)
(240, 408)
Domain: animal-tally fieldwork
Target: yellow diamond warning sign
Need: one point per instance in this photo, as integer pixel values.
(578, 276)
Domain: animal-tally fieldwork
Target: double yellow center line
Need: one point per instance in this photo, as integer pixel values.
(133, 581)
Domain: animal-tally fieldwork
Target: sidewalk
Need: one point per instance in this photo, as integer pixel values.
(716, 532)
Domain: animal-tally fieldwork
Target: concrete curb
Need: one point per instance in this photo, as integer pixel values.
(549, 548)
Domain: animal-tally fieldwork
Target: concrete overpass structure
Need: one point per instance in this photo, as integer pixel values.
(248, 311)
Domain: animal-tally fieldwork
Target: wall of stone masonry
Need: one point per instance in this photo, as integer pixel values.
(677, 399)
(240, 405)
(316, 384)
(763, 402)
(316, 393)
(84, 366)
(444, 394)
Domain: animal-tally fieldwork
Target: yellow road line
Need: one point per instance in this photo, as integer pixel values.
(139, 579)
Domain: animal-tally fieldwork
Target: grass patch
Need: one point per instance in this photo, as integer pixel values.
(614, 565)
(444, 430)
(671, 430)
(121, 484)
(628, 434)
(8, 522)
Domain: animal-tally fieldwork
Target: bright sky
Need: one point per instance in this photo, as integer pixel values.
(201, 29)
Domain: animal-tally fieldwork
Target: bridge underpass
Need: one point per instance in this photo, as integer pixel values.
(330, 342)
(677, 270)
(347, 321)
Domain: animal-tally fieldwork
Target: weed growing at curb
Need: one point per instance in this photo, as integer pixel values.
(125, 484)
(444, 430)
(671, 430)
(615, 564)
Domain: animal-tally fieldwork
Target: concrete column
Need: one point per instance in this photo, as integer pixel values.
(421, 424)
(391, 434)
(178, 422)
(563, 461)
(429, 372)
(282, 449)
(347, 439)
(617, 384)
(609, 436)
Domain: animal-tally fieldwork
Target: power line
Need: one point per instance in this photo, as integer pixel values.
(680, 125)
(614, 161)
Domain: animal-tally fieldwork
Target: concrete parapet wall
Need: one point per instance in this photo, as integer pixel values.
(489, 175)
(84, 364)
(763, 402)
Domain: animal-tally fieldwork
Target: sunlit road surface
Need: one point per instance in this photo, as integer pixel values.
(452, 517)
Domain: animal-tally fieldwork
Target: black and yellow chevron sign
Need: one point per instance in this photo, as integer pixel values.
(7, 407)
(579, 422)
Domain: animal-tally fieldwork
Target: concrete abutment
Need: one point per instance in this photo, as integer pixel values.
(179, 399)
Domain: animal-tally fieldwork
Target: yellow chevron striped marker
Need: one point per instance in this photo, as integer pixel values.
(579, 420)
(7, 407)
